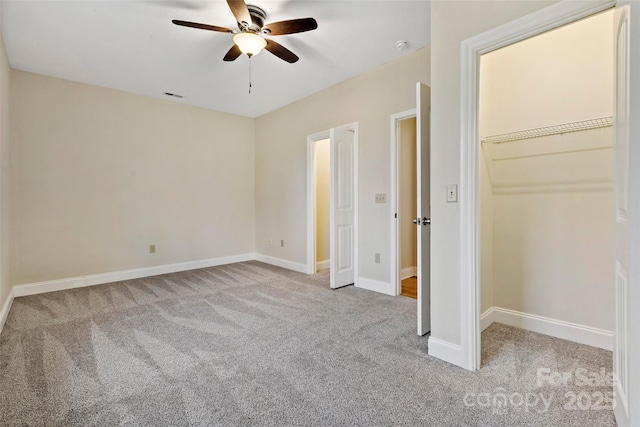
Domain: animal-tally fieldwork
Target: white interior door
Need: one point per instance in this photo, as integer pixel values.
(423, 172)
(342, 217)
(621, 233)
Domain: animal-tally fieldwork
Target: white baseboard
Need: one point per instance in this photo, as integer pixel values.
(556, 328)
(5, 309)
(446, 351)
(116, 276)
(486, 319)
(323, 265)
(405, 273)
(278, 262)
(375, 285)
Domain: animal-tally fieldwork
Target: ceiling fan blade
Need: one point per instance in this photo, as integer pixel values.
(281, 51)
(233, 53)
(202, 26)
(240, 11)
(291, 26)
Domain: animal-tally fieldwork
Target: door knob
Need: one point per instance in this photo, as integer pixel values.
(416, 221)
(425, 221)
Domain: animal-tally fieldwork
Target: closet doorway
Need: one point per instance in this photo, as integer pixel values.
(547, 183)
(322, 187)
(340, 145)
(624, 167)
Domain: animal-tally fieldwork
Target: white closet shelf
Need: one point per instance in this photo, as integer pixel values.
(601, 122)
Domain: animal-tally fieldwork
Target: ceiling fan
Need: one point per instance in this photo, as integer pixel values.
(249, 38)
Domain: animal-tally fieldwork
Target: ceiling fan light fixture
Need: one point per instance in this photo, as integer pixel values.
(251, 23)
(249, 43)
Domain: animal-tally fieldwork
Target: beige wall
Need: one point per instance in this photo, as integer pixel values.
(407, 184)
(553, 231)
(101, 175)
(6, 230)
(552, 200)
(323, 187)
(369, 99)
(451, 23)
(560, 76)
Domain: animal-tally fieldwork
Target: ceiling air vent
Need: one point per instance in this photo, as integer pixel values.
(175, 95)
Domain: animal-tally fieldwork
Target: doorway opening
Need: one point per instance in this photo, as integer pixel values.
(332, 204)
(322, 186)
(411, 206)
(407, 205)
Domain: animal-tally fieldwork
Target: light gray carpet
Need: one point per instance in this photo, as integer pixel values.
(250, 344)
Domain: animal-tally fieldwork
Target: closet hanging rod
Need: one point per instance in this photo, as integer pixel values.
(601, 122)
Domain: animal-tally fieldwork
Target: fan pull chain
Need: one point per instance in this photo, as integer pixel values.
(249, 74)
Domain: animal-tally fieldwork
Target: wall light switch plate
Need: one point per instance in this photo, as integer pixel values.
(452, 193)
(381, 198)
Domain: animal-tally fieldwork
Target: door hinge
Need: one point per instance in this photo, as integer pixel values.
(396, 215)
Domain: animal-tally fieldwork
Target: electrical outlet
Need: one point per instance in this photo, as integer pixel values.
(282, 243)
(381, 198)
(377, 258)
(152, 249)
(452, 193)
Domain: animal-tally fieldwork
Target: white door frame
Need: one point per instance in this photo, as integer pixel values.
(396, 283)
(311, 197)
(551, 17)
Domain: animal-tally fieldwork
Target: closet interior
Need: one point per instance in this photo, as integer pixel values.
(546, 183)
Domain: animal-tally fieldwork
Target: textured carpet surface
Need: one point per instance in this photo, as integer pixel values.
(250, 344)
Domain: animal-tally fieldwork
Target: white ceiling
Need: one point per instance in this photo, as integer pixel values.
(133, 46)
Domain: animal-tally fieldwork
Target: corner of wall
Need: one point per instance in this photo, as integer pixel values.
(6, 181)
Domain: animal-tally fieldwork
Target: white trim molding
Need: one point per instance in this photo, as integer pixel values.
(487, 319)
(446, 351)
(472, 49)
(374, 285)
(117, 276)
(405, 273)
(5, 309)
(279, 262)
(323, 265)
(114, 276)
(137, 273)
(582, 334)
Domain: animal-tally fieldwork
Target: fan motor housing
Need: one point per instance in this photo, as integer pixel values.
(258, 16)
